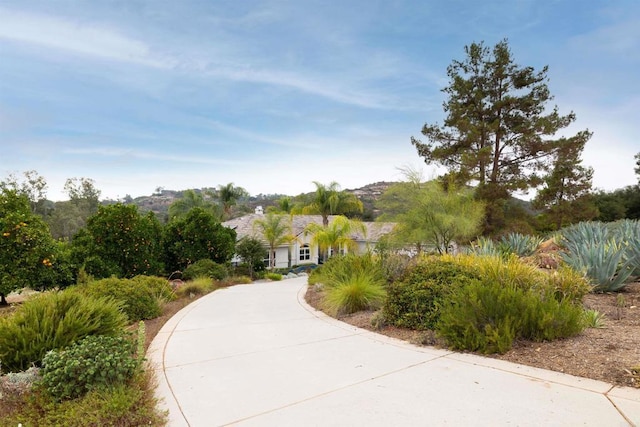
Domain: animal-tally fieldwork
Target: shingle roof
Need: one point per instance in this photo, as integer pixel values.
(244, 226)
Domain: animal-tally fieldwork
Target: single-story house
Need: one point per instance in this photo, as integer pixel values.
(301, 250)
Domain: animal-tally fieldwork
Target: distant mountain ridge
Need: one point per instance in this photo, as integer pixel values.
(160, 200)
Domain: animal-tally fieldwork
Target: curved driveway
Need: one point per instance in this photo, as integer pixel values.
(259, 355)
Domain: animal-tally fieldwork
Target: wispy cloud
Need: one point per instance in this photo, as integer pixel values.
(75, 37)
(132, 154)
(92, 40)
(620, 39)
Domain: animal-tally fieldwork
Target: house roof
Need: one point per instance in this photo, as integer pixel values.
(244, 226)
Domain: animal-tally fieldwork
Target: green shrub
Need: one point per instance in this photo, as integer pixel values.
(130, 404)
(53, 321)
(361, 291)
(339, 269)
(238, 280)
(566, 283)
(394, 265)
(233, 280)
(273, 276)
(198, 286)
(413, 301)
(159, 287)
(205, 268)
(95, 362)
(486, 316)
(138, 296)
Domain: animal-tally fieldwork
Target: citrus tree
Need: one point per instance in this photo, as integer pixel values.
(119, 241)
(26, 246)
(195, 236)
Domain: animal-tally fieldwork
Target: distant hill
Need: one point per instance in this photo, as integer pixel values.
(368, 195)
(159, 202)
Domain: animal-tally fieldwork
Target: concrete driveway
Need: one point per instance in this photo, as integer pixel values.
(258, 355)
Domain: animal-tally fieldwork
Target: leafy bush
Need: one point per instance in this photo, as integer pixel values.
(564, 283)
(361, 291)
(156, 286)
(95, 362)
(394, 265)
(205, 268)
(141, 298)
(413, 301)
(198, 286)
(273, 276)
(52, 321)
(130, 404)
(487, 316)
(234, 280)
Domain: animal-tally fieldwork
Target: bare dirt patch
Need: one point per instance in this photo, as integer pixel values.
(610, 354)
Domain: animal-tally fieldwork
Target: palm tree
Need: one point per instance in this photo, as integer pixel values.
(284, 205)
(276, 230)
(228, 195)
(190, 199)
(335, 235)
(330, 200)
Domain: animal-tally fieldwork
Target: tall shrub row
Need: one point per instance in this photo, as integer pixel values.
(484, 303)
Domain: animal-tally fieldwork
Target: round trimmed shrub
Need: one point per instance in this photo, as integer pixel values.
(205, 268)
(414, 301)
(95, 362)
(140, 301)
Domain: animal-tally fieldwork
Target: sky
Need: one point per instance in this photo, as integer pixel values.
(272, 95)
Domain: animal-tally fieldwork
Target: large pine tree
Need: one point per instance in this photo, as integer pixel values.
(498, 132)
(566, 195)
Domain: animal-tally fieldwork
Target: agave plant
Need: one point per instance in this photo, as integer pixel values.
(592, 232)
(603, 263)
(519, 244)
(625, 229)
(484, 247)
(632, 254)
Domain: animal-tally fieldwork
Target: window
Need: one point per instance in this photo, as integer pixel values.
(305, 253)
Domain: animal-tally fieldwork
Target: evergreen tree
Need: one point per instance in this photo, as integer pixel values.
(565, 195)
(498, 132)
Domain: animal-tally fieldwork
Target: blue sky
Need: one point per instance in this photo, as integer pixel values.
(272, 95)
